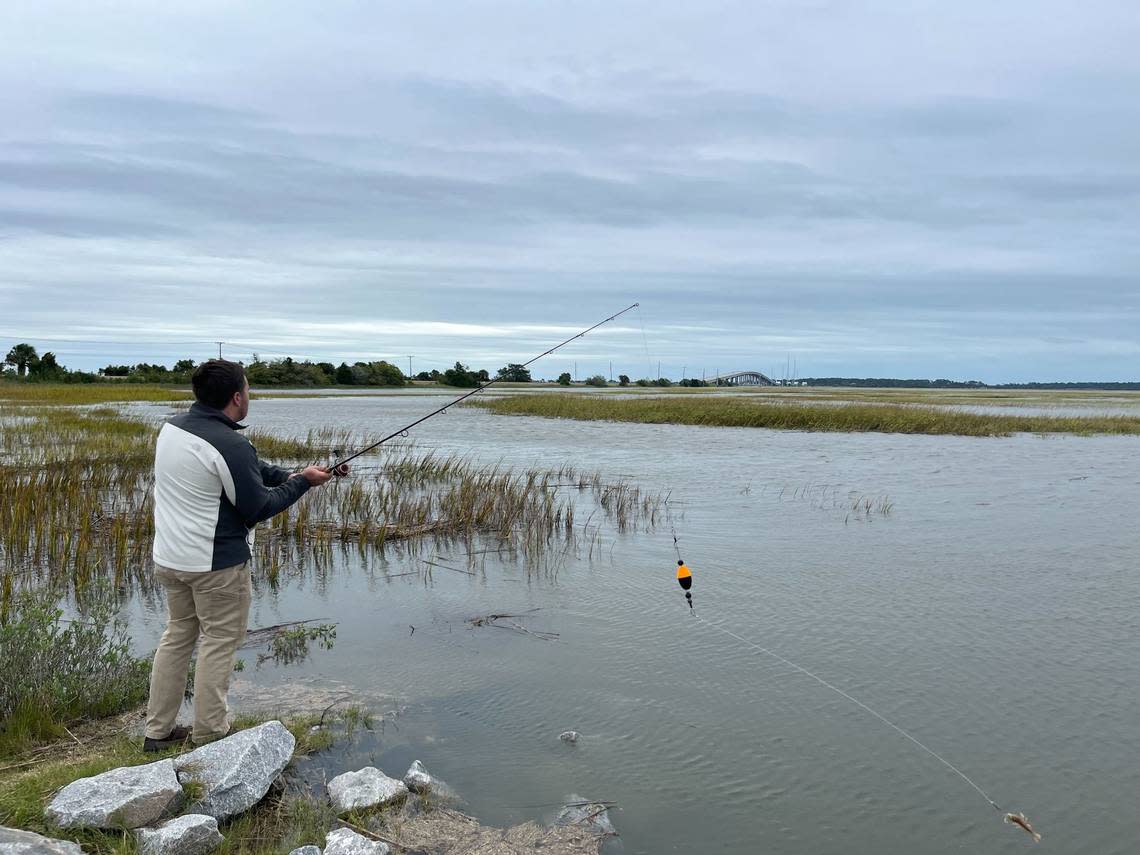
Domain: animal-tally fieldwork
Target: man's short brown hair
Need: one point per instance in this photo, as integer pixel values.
(216, 381)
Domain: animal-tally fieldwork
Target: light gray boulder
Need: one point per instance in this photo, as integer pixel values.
(306, 850)
(13, 841)
(237, 771)
(345, 841)
(129, 797)
(366, 788)
(418, 780)
(192, 834)
(583, 813)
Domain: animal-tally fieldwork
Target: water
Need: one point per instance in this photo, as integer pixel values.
(994, 613)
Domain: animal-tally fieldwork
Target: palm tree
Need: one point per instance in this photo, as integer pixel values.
(22, 355)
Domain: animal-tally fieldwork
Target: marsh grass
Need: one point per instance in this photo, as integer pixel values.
(89, 393)
(753, 411)
(78, 503)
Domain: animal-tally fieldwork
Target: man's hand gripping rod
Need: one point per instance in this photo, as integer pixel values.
(335, 465)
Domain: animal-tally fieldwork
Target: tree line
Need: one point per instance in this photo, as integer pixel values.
(24, 362)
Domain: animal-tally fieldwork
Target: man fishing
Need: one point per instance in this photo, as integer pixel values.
(210, 491)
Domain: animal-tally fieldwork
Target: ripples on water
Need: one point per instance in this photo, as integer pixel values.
(993, 613)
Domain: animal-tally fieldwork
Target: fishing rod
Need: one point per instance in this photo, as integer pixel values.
(336, 464)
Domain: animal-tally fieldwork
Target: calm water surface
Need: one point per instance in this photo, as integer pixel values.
(994, 613)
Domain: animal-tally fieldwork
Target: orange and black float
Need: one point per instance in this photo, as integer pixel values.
(685, 580)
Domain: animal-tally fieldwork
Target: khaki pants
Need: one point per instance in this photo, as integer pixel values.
(212, 604)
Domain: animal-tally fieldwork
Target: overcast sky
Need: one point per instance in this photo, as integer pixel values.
(906, 189)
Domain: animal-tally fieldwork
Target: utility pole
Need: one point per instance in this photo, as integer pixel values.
(702, 375)
(219, 344)
(684, 369)
(409, 366)
(611, 371)
(575, 370)
(658, 369)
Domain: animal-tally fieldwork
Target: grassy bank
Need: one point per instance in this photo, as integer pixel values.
(742, 411)
(281, 822)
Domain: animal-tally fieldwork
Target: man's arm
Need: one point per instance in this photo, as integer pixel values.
(247, 491)
(273, 476)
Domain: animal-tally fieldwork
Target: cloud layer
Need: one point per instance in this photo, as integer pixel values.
(910, 191)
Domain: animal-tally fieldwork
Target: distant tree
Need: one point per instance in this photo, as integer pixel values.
(514, 373)
(460, 376)
(184, 366)
(344, 375)
(482, 376)
(383, 373)
(596, 380)
(662, 381)
(328, 369)
(623, 379)
(564, 378)
(644, 381)
(21, 356)
(115, 371)
(46, 368)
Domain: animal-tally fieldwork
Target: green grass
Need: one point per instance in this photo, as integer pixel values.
(753, 411)
(90, 393)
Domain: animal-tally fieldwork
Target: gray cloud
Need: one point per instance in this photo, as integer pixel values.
(764, 180)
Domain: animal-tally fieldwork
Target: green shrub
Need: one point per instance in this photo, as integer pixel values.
(54, 672)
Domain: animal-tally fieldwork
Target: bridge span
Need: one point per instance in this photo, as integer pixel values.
(743, 378)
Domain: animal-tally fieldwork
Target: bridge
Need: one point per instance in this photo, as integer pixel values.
(743, 378)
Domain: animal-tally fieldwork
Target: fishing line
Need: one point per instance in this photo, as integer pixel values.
(404, 430)
(684, 577)
(857, 702)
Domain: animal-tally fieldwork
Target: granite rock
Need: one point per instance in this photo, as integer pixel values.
(237, 771)
(366, 788)
(128, 797)
(192, 834)
(14, 841)
(345, 841)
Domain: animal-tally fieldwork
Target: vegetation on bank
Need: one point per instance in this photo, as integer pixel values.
(14, 393)
(56, 672)
(745, 411)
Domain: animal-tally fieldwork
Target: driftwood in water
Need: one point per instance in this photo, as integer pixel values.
(509, 622)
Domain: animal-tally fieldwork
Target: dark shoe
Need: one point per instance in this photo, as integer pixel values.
(213, 737)
(175, 737)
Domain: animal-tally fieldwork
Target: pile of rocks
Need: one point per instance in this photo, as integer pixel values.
(174, 805)
(224, 779)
